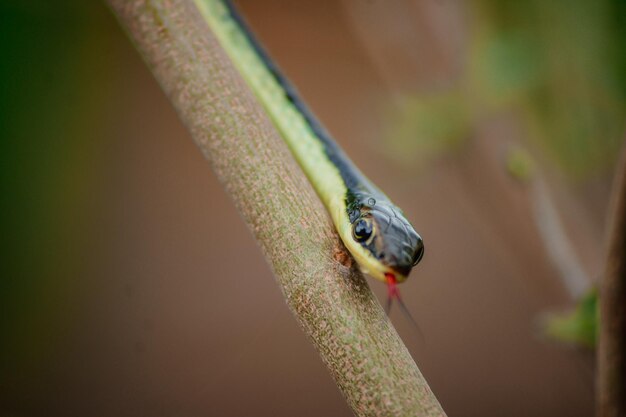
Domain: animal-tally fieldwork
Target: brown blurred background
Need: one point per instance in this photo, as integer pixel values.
(130, 285)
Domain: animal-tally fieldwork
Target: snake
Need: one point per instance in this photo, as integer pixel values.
(374, 230)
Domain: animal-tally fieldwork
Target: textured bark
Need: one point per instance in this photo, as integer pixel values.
(326, 293)
(611, 397)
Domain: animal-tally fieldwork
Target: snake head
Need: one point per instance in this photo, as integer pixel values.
(390, 244)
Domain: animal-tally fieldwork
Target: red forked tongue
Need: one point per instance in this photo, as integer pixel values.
(394, 293)
(392, 290)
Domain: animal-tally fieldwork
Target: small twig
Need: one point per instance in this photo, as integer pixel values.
(611, 394)
(331, 301)
(559, 247)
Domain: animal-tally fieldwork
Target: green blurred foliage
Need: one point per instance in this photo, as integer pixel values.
(428, 126)
(558, 66)
(578, 327)
(520, 164)
(51, 146)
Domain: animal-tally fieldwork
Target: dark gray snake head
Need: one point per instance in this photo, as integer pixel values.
(383, 231)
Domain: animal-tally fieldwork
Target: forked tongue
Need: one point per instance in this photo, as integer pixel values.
(393, 293)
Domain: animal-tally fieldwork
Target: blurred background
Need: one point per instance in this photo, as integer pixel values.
(130, 285)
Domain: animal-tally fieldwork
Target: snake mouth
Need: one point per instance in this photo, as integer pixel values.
(400, 273)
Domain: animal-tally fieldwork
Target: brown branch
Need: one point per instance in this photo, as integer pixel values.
(611, 396)
(331, 301)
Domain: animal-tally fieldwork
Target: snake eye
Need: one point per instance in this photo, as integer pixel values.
(362, 230)
(419, 253)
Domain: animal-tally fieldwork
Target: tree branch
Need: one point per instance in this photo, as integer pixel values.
(611, 396)
(328, 296)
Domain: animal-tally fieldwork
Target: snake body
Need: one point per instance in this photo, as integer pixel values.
(375, 231)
